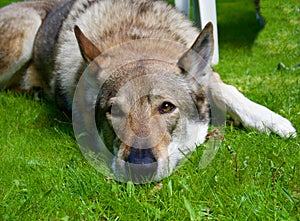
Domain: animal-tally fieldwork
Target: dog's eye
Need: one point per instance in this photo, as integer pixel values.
(166, 108)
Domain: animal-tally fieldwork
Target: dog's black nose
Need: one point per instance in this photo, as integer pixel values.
(141, 156)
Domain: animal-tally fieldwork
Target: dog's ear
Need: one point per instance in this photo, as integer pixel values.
(196, 65)
(199, 56)
(88, 50)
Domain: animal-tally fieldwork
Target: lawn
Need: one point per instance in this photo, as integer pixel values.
(44, 176)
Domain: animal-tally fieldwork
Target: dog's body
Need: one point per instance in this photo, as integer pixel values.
(163, 110)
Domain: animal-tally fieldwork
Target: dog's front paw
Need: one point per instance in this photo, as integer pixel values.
(247, 112)
(281, 126)
(264, 120)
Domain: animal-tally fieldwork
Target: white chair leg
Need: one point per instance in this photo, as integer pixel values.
(183, 6)
(208, 12)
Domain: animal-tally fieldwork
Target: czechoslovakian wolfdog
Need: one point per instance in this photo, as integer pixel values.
(148, 77)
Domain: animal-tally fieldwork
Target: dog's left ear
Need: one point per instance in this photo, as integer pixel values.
(199, 56)
(88, 50)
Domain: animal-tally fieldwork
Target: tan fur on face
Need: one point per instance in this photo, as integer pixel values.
(137, 90)
(143, 127)
(160, 151)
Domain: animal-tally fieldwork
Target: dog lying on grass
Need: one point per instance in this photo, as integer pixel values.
(139, 68)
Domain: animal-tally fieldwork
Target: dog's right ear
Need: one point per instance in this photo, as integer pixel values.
(88, 50)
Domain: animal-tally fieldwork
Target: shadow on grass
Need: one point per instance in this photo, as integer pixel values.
(51, 115)
(237, 23)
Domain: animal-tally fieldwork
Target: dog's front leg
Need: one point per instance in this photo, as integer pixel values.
(245, 111)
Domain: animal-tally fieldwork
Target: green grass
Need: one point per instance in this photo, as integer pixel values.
(43, 175)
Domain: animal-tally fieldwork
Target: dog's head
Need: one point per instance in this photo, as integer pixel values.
(151, 111)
